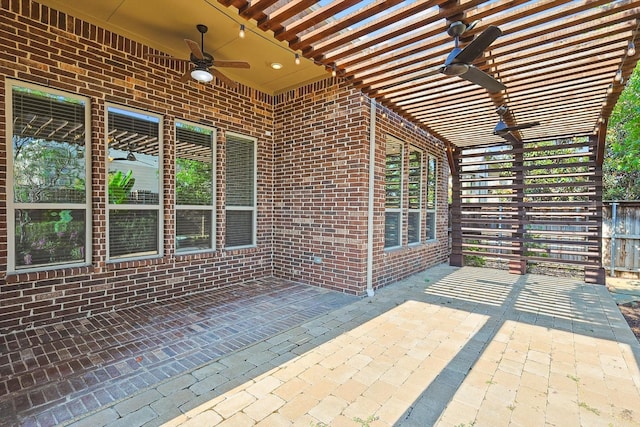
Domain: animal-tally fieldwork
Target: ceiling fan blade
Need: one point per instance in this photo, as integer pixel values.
(186, 76)
(231, 64)
(523, 126)
(478, 45)
(195, 48)
(224, 79)
(166, 57)
(501, 128)
(479, 77)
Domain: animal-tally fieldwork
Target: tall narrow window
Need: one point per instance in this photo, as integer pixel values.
(240, 191)
(134, 183)
(195, 187)
(432, 179)
(393, 189)
(415, 195)
(48, 188)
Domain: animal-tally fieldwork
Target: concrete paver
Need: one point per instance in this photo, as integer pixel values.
(445, 347)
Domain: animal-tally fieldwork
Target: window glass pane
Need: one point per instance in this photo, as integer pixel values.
(239, 228)
(134, 180)
(431, 183)
(431, 225)
(133, 233)
(392, 229)
(414, 227)
(240, 172)
(415, 179)
(134, 176)
(49, 236)
(194, 165)
(48, 148)
(193, 230)
(240, 191)
(393, 175)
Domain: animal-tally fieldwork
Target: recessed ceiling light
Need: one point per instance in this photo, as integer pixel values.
(276, 65)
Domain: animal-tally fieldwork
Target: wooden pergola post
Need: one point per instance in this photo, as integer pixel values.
(596, 273)
(518, 264)
(456, 258)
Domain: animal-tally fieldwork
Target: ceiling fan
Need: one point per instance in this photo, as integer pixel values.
(459, 61)
(506, 132)
(204, 65)
(129, 158)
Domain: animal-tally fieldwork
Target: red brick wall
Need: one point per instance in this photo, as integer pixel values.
(321, 190)
(395, 264)
(312, 175)
(321, 181)
(41, 46)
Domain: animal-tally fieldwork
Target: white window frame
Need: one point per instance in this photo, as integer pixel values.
(398, 210)
(433, 210)
(141, 207)
(12, 206)
(418, 210)
(212, 207)
(254, 208)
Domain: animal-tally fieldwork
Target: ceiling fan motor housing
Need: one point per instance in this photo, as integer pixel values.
(456, 28)
(456, 69)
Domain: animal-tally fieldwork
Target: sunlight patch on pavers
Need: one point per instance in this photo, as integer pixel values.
(547, 377)
(358, 374)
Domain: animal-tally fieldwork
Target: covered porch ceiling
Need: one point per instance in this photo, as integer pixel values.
(558, 59)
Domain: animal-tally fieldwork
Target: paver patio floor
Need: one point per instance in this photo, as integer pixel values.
(447, 347)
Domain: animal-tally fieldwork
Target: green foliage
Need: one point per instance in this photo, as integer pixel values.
(474, 260)
(367, 422)
(567, 161)
(47, 171)
(194, 182)
(48, 236)
(534, 245)
(132, 232)
(622, 161)
(120, 186)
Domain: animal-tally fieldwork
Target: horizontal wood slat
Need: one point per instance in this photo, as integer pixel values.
(525, 213)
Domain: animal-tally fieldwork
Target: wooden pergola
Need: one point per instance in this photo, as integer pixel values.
(557, 58)
(564, 64)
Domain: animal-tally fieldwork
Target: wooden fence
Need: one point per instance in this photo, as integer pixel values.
(621, 238)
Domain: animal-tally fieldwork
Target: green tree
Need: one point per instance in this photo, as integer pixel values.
(621, 168)
(47, 171)
(194, 182)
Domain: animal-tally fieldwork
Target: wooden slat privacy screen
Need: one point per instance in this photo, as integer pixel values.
(536, 202)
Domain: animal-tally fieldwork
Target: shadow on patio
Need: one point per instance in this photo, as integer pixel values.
(446, 346)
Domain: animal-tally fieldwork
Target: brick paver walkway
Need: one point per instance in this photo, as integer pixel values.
(447, 347)
(54, 374)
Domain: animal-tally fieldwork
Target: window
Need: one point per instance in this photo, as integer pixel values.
(240, 191)
(134, 184)
(195, 187)
(393, 189)
(415, 195)
(48, 188)
(432, 180)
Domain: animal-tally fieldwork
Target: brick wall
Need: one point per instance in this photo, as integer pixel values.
(321, 181)
(312, 175)
(321, 190)
(395, 264)
(41, 46)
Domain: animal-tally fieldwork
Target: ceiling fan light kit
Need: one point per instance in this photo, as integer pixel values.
(201, 74)
(204, 65)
